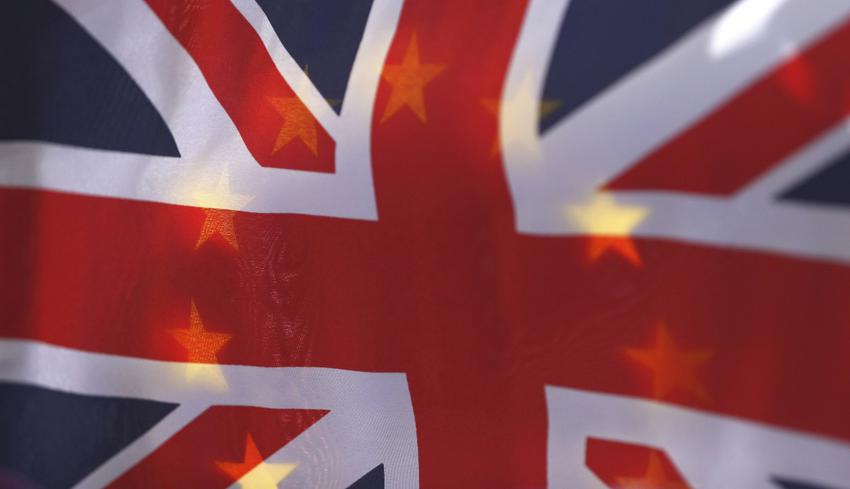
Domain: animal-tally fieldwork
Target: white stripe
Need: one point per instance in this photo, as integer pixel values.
(660, 98)
(710, 450)
(371, 420)
(209, 143)
(288, 67)
(141, 447)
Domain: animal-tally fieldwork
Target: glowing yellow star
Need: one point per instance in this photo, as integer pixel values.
(298, 122)
(408, 81)
(673, 367)
(202, 347)
(253, 472)
(610, 225)
(220, 205)
(492, 106)
(517, 132)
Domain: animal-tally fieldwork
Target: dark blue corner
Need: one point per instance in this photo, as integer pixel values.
(323, 36)
(373, 480)
(59, 85)
(830, 186)
(54, 439)
(603, 40)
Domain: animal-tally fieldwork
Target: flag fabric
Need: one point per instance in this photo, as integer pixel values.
(362, 244)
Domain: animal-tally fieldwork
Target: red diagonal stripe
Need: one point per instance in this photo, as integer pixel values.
(757, 129)
(243, 77)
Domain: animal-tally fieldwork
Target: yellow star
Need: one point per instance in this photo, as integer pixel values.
(655, 478)
(298, 122)
(219, 212)
(610, 225)
(253, 472)
(408, 81)
(673, 367)
(516, 132)
(492, 106)
(202, 346)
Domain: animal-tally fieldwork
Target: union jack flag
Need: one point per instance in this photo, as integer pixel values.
(362, 244)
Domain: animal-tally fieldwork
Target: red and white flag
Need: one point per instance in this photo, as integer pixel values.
(362, 244)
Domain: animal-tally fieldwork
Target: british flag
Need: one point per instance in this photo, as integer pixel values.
(362, 244)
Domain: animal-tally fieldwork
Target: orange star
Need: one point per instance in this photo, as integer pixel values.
(219, 220)
(655, 478)
(253, 472)
(202, 345)
(298, 122)
(408, 81)
(673, 368)
(493, 105)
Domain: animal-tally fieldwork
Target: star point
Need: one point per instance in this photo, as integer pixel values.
(298, 123)
(493, 107)
(674, 368)
(202, 346)
(220, 207)
(408, 80)
(253, 472)
(520, 112)
(610, 226)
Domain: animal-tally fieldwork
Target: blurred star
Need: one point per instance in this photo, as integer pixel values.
(298, 123)
(493, 106)
(673, 367)
(253, 472)
(610, 225)
(220, 208)
(202, 347)
(408, 80)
